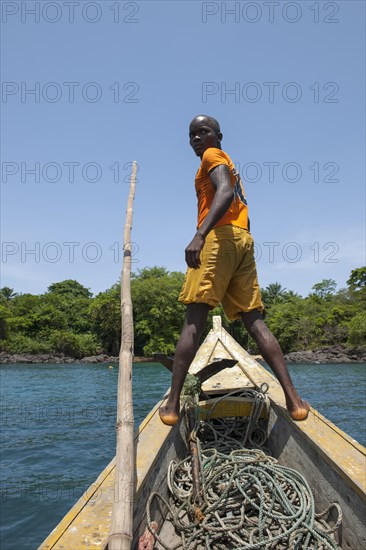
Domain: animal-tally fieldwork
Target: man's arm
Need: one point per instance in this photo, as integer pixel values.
(220, 178)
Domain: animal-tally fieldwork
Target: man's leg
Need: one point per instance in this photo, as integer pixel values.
(272, 354)
(194, 324)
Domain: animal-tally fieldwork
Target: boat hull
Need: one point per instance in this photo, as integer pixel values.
(332, 462)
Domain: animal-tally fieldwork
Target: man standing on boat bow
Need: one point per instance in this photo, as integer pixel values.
(221, 268)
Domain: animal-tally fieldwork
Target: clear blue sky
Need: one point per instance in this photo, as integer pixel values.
(294, 123)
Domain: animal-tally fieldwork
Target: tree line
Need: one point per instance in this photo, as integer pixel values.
(68, 319)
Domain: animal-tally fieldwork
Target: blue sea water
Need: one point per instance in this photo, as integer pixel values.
(58, 431)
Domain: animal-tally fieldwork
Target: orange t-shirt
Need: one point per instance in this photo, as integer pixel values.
(237, 214)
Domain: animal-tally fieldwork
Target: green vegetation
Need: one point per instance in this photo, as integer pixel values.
(68, 319)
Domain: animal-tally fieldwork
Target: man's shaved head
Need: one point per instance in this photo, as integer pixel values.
(204, 132)
(209, 120)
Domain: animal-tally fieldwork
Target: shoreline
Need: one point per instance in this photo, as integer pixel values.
(328, 355)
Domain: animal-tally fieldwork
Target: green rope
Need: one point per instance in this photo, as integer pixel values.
(249, 500)
(192, 386)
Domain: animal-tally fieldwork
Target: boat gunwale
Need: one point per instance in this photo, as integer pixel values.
(67, 520)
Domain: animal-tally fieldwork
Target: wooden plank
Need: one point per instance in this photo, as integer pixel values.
(229, 406)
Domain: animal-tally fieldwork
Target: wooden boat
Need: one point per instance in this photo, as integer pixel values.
(333, 463)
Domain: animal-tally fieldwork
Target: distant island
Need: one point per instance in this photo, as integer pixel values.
(67, 324)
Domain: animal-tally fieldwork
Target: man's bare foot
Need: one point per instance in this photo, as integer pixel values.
(298, 411)
(169, 414)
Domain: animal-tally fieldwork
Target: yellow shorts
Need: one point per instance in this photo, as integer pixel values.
(227, 273)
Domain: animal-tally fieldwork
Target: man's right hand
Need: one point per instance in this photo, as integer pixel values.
(193, 251)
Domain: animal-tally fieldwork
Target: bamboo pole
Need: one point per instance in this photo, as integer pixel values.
(121, 533)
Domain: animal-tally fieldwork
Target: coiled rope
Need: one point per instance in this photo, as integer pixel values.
(247, 499)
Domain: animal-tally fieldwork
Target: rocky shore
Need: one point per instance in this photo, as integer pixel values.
(8, 358)
(336, 354)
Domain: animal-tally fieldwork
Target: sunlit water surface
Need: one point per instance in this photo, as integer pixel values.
(58, 431)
